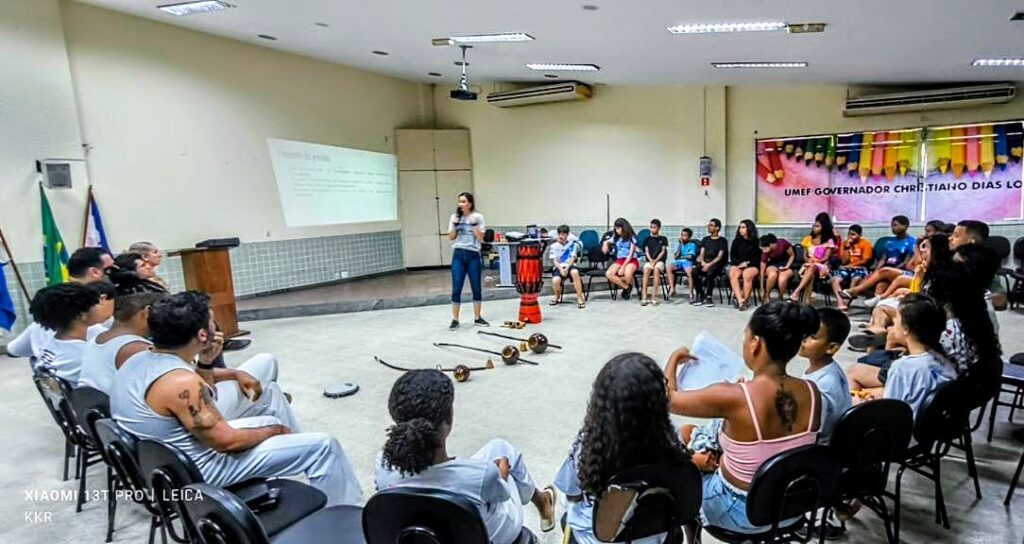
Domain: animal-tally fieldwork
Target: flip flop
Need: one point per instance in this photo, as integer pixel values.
(554, 302)
(548, 524)
(845, 293)
(581, 305)
(865, 341)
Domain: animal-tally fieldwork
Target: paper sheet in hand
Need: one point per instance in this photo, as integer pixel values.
(715, 363)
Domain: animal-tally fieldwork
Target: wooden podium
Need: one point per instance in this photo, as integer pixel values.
(209, 270)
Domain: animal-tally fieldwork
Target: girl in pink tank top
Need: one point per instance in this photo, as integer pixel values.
(771, 413)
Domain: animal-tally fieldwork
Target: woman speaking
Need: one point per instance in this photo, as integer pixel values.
(466, 230)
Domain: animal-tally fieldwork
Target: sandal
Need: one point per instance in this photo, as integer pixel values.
(548, 524)
(554, 302)
(654, 302)
(581, 305)
(865, 341)
(644, 302)
(845, 293)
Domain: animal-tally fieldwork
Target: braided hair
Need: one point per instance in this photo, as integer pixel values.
(627, 422)
(420, 404)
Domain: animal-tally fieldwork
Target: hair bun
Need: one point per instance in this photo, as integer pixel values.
(801, 318)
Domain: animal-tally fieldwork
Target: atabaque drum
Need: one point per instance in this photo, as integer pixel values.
(529, 274)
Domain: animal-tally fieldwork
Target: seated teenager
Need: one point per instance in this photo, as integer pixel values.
(495, 478)
(134, 275)
(744, 258)
(713, 253)
(87, 265)
(564, 250)
(623, 245)
(771, 413)
(777, 256)
(683, 259)
(819, 246)
(656, 251)
(158, 394)
(627, 425)
(907, 280)
(919, 325)
(820, 350)
(152, 256)
(855, 257)
(69, 310)
(892, 264)
(104, 354)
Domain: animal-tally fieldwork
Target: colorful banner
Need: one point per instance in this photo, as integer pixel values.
(868, 177)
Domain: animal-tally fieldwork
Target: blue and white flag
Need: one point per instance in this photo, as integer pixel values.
(7, 313)
(95, 236)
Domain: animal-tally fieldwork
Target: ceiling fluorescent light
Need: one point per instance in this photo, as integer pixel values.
(759, 64)
(193, 8)
(720, 28)
(1013, 61)
(564, 67)
(503, 37)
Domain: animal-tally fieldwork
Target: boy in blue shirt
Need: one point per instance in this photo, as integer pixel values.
(824, 371)
(684, 256)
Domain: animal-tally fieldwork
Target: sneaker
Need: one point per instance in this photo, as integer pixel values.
(481, 322)
(872, 302)
(454, 325)
(698, 302)
(709, 303)
(644, 302)
(626, 293)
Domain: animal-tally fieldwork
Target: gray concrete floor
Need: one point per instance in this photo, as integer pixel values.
(537, 408)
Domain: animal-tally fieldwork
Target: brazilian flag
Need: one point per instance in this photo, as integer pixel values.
(55, 254)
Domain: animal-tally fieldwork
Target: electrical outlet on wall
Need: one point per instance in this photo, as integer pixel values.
(344, 275)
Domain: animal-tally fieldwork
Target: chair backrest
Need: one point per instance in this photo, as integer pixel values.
(89, 402)
(870, 436)
(944, 413)
(590, 239)
(880, 252)
(791, 484)
(220, 517)
(488, 236)
(798, 256)
(62, 396)
(413, 515)
(1018, 251)
(167, 470)
(641, 239)
(1000, 245)
(52, 397)
(660, 499)
(121, 451)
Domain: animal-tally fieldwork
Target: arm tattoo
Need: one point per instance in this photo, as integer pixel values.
(202, 410)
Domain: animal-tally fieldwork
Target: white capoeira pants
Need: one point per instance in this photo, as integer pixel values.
(233, 404)
(318, 456)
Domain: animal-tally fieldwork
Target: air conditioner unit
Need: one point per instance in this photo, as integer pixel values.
(935, 99)
(558, 92)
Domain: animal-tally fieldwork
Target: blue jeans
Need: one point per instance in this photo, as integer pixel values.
(466, 262)
(726, 506)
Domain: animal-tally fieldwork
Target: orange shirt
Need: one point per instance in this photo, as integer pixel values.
(860, 253)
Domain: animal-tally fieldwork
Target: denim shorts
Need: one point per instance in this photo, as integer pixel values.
(725, 506)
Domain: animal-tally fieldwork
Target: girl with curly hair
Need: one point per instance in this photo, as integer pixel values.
(768, 414)
(495, 478)
(626, 425)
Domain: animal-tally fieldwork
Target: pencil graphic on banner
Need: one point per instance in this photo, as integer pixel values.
(988, 155)
(957, 151)
(820, 146)
(854, 155)
(787, 148)
(798, 149)
(878, 154)
(973, 158)
(938, 147)
(775, 160)
(842, 149)
(892, 149)
(764, 165)
(830, 152)
(1015, 139)
(866, 156)
(905, 155)
(1002, 150)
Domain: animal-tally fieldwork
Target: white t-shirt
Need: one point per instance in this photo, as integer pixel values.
(476, 479)
(64, 357)
(562, 253)
(466, 238)
(33, 339)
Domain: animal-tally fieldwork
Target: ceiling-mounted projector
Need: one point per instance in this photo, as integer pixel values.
(463, 92)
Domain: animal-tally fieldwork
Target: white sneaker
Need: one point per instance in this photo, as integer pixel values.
(872, 302)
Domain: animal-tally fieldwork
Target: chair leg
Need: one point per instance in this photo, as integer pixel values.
(1013, 481)
(82, 457)
(972, 467)
(992, 416)
(940, 502)
(67, 457)
(152, 529)
(111, 503)
(78, 462)
(896, 510)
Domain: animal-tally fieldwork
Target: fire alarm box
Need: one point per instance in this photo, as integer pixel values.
(705, 182)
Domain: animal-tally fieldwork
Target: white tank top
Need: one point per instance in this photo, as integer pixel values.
(98, 361)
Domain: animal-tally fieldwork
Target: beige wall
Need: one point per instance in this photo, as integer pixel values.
(176, 122)
(37, 121)
(774, 111)
(554, 163)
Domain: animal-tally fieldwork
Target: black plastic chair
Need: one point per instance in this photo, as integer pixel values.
(940, 421)
(120, 450)
(50, 393)
(169, 470)
(1001, 246)
(792, 484)
(866, 440)
(667, 497)
(414, 515)
(1016, 293)
(220, 517)
(1012, 383)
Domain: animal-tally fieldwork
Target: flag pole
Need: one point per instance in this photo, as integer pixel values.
(85, 220)
(14, 265)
